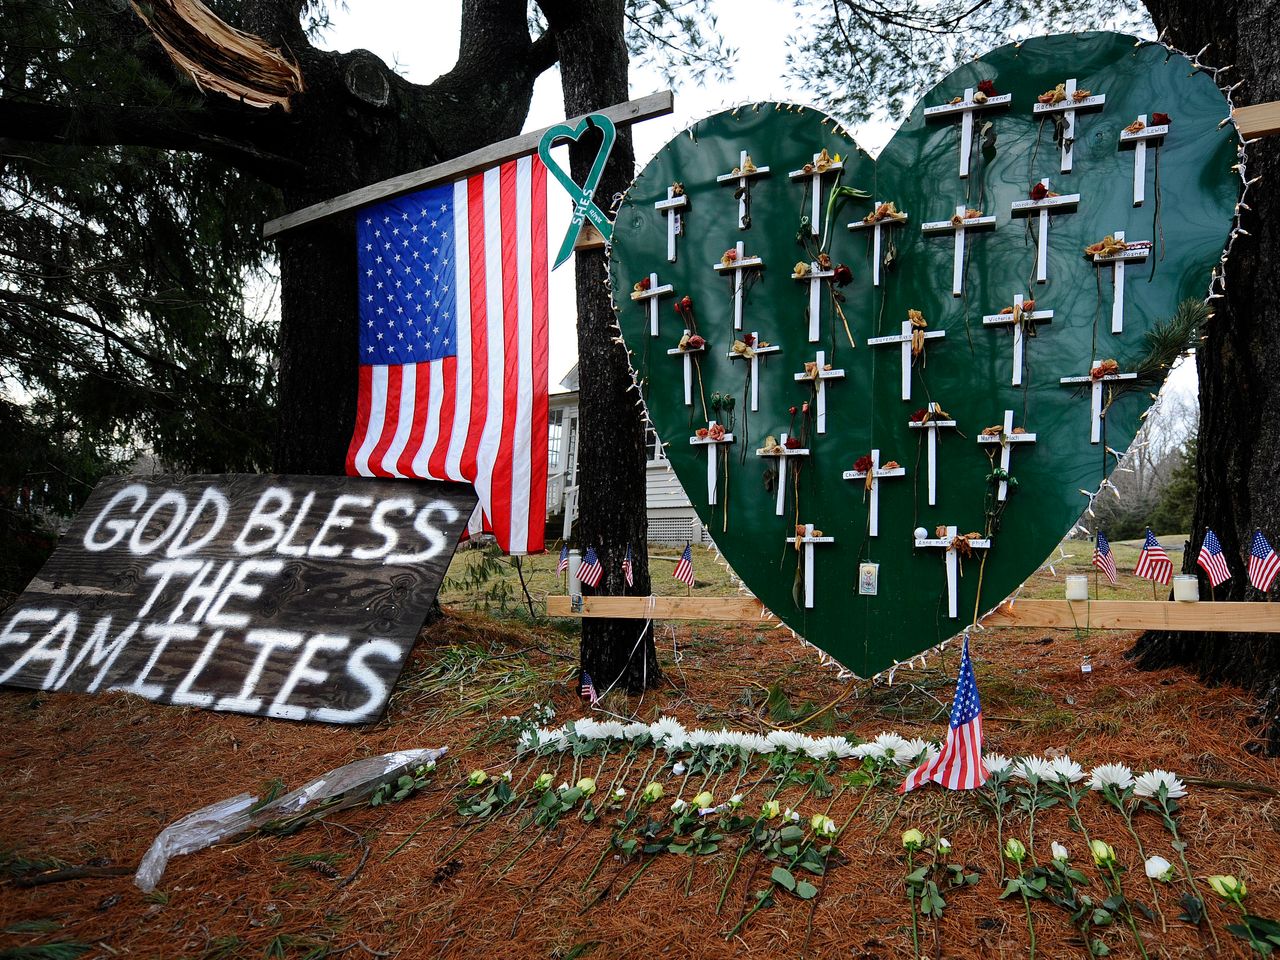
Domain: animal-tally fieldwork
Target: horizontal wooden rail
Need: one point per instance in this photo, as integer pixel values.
(1058, 614)
(1258, 120)
(633, 111)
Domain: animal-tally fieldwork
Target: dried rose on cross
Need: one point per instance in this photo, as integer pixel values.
(987, 87)
(729, 257)
(642, 285)
(862, 464)
(793, 443)
(1103, 369)
(1160, 119)
(843, 276)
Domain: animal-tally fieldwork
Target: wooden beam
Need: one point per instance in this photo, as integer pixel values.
(1138, 615)
(663, 608)
(654, 105)
(1258, 120)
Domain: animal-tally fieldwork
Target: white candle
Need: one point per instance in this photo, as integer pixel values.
(1077, 587)
(1186, 587)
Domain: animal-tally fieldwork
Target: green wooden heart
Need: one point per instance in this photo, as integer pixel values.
(1191, 192)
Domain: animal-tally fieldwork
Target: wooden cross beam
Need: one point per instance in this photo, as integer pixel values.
(687, 354)
(1139, 139)
(1068, 108)
(966, 109)
(782, 454)
(815, 176)
(1043, 208)
(877, 226)
(932, 425)
(754, 361)
(1132, 252)
(820, 378)
(1006, 438)
(806, 543)
(713, 460)
(877, 474)
(743, 179)
(736, 268)
(952, 561)
(1017, 320)
(671, 209)
(1095, 396)
(958, 225)
(814, 278)
(650, 297)
(905, 340)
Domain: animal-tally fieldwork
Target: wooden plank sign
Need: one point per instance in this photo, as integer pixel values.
(283, 596)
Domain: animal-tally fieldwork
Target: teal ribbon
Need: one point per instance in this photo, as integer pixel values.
(584, 207)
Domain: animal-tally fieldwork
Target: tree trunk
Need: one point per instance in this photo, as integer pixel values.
(1238, 361)
(611, 449)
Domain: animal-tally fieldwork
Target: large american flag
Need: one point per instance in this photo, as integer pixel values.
(1211, 559)
(959, 765)
(1104, 559)
(453, 343)
(1263, 562)
(1153, 562)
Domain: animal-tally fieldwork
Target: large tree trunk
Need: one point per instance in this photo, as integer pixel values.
(611, 457)
(1238, 454)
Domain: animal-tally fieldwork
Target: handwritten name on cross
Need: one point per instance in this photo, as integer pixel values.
(1006, 438)
(713, 460)
(782, 452)
(877, 474)
(952, 561)
(966, 108)
(814, 278)
(932, 424)
(1132, 253)
(687, 353)
(1068, 108)
(905, 340)
(1139, 139)
(958, 225)
(754, 360)
(877, 241)
(742, 177)
(1095, 398)
(1018, 320)
(670, 208)
(815, 176)
(736, 267)
(806, 543)
(820, 376)
(651, 296)
(1043, 208)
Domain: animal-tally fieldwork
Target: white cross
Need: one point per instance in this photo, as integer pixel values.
(939, 226)
(952, 562)
(1043, 208)
(713, 460)
(815, 217)
(814, 278)
(670, 208)
(820, 403)
(1133, 252)
(687, 353)
(1139, 141)
(783, 468)
(1017, 319)
(932, 425)
(743, 180)
(1095, 401)
(1006, 437)
(743, 262)
(651, 295)
(966, 108)
(807, 541)
(876, 227)
(1068, 108)
(754, 360)
(876, 475)
(904, 339)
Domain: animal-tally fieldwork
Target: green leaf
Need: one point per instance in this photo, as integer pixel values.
(1099, 949)
(783, 878)
(791, 833)
(805, 890)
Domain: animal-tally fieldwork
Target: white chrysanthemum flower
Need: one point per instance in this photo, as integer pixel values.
(586, 729)
(1033, 769)
(916, 748)
(634, 730)
(997, 763)
(612, 730)
(864, 750)
(1064, 768)
(893, 745)
(830, 748)
(700, 739)
(755, 743)
(931, 751)
(665, 728)
(528, 740)
(788, 740)
(1110, 775)
(1148, 784)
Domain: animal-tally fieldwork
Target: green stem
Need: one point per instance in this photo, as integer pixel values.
(1031, 929)
(636, 876)
(746, 845)
(915, 920)
(1142, 855)
(1128, 911)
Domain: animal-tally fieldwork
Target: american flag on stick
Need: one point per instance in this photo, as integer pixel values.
(959, 765)
(563, 565)
(1153, 563)
(628, 573)
(1263, 563)
(1211, 559)
(453, 318)
(684, 567)
(591, 569)
(1104, 559)
(588, 689)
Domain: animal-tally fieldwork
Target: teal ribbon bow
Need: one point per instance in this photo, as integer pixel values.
(584, 207)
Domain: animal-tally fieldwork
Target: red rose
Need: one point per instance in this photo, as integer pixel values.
(792, 411)
(862, 464)
(843, 276)
(1159, 119)
(1039, 192)
(987, 87)
(793, 443)
(805, 407)
(749, 339)
(919, 415)
(686, 302)
(644, 284)
(701, 433)
(678, 307)
(716, 432)
(695, 342)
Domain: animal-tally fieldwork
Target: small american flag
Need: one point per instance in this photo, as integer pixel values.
(588, 689)
(1153, 562)
(959, 766)
(627, 573)
(1263, 563)
(591, 569)
(563, 565)
(1104, 559)
(1211, 560)
(684, 567)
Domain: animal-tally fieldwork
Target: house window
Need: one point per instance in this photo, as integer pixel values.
(555, 430)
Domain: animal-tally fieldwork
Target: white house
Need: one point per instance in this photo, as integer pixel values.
(672, 519)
